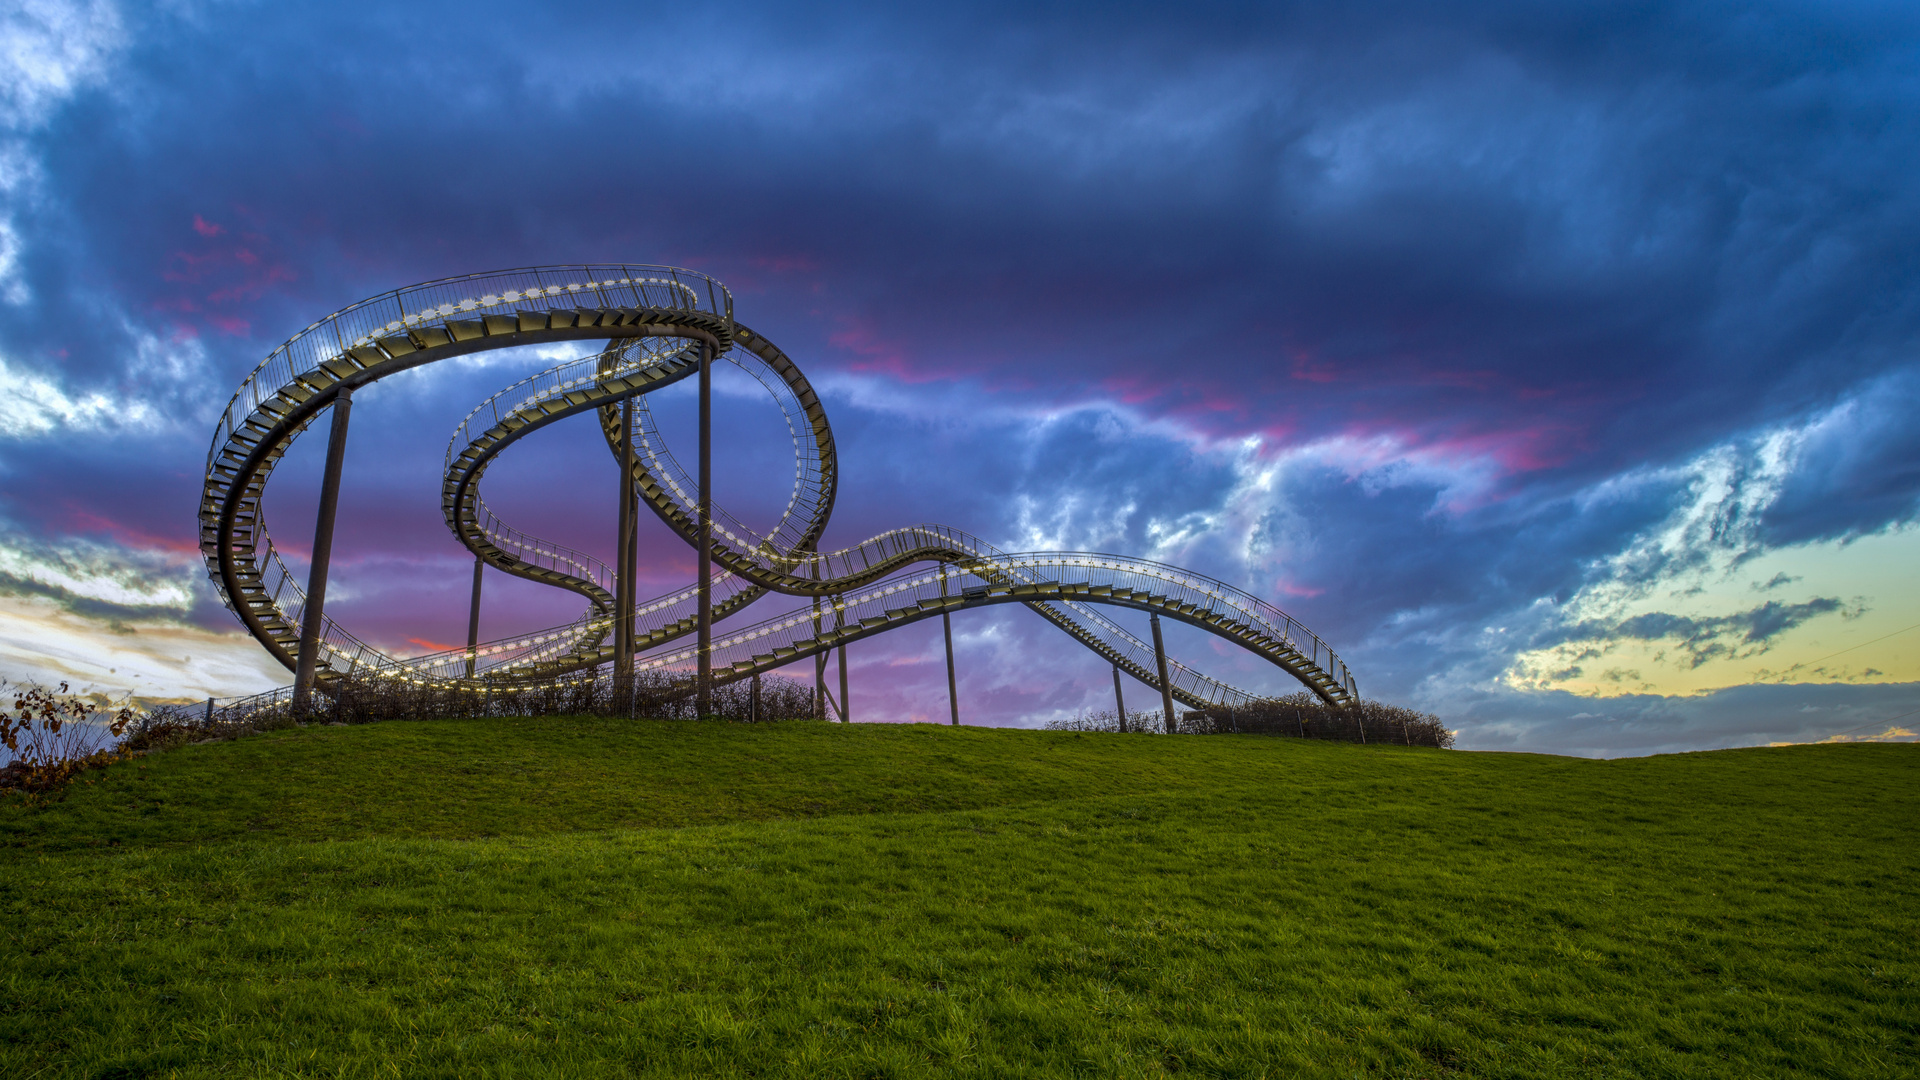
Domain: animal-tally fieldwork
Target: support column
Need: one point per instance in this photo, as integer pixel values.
(473, 617)
(946, 625)
(1160, 661)
(703, 690)
(753, 700)
(630, 569)
(307, 663)
(819, 670)
(819, 658)
(1119, 700)
(624, 590)
(846, 706)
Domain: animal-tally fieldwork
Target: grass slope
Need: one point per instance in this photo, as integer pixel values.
(582, 898)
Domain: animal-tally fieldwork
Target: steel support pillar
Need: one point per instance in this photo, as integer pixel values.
(624, 588)
(946, 626)
(819, 667)
(306, 665)
(703, 689)
(473, 617)
(630, 570)
(1119, 700)
(846, 705)
(753, 700)
(1160, 661)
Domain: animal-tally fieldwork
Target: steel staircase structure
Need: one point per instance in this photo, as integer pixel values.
(655, 321)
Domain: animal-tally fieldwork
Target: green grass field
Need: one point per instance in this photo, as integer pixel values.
(583, 898)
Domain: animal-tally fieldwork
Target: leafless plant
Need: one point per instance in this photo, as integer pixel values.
(55, 735)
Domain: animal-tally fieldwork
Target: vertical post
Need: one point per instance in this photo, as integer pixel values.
(625, 589)
(208, 721)
(753, 700)
(819, 670)
(1119, 700)
(819, 658)
(473, 616)
(846, 706)
(308, 662)
(630, 569)
(703, 690)
(1160, 661)
(946, 625)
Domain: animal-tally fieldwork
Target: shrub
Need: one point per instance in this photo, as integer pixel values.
(54, 735)
(1139, 722)
(1300, 715)
(1304, 716)
(649, 695)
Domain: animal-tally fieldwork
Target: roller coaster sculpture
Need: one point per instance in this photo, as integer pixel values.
(660, 325)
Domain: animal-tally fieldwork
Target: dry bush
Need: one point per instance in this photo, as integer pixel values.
(1300, 715)
(648, 695)
(1304, 716)
(1139, 722)
(55, 735)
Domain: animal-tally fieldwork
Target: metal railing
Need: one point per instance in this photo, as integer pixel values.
(468, 296)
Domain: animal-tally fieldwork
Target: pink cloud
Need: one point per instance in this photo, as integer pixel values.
(436, 646)
(878, 354)
(81, 520)
(1287, 587)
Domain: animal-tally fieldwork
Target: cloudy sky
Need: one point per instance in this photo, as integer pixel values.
(1557, 363)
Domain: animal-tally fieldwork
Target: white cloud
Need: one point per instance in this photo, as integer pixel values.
(49, 51)
(107, 573)
(110, 618)
(157, 658)
(32, 404)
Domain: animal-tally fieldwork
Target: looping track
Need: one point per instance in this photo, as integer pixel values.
(654, 319)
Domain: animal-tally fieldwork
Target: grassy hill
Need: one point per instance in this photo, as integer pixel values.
(583, 898)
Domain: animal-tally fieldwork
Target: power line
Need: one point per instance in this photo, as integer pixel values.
(1848, 649)
(1889, 721)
